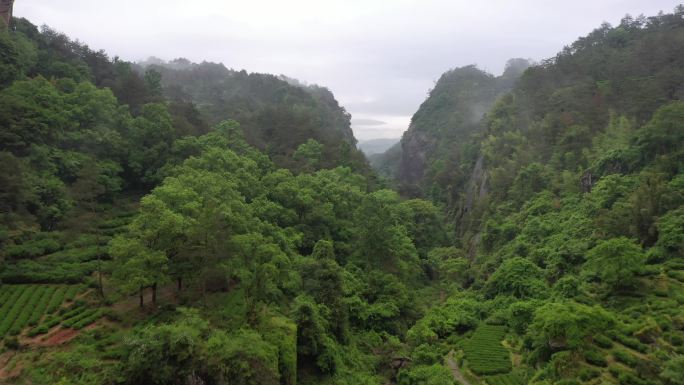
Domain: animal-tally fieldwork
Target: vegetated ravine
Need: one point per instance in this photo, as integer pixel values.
(183, 223)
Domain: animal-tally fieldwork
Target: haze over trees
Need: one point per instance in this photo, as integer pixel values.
(183, 223)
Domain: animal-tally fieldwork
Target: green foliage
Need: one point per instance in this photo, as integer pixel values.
(456, 315)
(449, 265)
(313, 274)
(670, 234)
(426, 374)
(586, 374)
(504, 379)
(242, 357)
(631, 342)
(313, 339)
(625, 357)
(33, 248)
(595, 357)
(435, 139)
(520, 315)
(323, 250)
(35, 305)
(673, 371)
(615, 262)
(484, 351)
(567, 324)
(661, 135)
(278, 115)
(603, 341)
(309, 153)
(518, 277)
(160, 354)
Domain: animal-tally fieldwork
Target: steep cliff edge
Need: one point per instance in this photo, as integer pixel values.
(435, 146)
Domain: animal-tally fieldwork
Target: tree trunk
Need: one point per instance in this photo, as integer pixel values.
(180, 283)
(154, 294)
(141, 296)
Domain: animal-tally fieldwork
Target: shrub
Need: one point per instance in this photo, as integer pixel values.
(40, 307)
(586, 374)
(72, 312)
(14, 312)
(29, 271)
(6, 292)
(632, 342)
(51, 322)
(33, 248)
(648, 270)
(42, 329)
(31, 304)
(626, 378)
(567, 381)
(56, 300)
(87, 315)
(504, 379)
(603, 341)
(85, 321)
(71, 292)
(625, 357)
(75, 255)
(426, 354)
(595, 357)
(676, 339)
(615, 371)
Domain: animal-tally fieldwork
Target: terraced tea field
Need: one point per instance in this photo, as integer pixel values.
(484, 351)
(504, 379)
(42, 307)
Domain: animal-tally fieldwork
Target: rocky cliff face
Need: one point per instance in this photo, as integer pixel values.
(416, 147)
(433, 149)
(6, 10)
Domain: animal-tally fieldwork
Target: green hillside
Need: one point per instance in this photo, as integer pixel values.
(185, 224)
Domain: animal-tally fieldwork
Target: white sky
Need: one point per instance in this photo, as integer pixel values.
(379, 57)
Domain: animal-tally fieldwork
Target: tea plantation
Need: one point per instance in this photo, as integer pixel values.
(484, 351)
(43, 307)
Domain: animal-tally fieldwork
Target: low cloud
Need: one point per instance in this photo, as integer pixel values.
(367, 122)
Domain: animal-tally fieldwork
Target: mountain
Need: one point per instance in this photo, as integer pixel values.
(453, 111)
(565, 199)
(376, 146)
(276, 113)
(145, 238)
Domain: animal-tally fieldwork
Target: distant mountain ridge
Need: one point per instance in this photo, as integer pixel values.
(277, 113)
(377, 146)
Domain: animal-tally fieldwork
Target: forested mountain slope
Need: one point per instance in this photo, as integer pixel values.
(276, 113)
(141, 245)
(437, 137)
(568, 216)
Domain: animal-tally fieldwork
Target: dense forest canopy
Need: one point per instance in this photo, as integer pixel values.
(182, 223)
(276, 113)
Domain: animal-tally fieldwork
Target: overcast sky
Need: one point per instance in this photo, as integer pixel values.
(379, 57)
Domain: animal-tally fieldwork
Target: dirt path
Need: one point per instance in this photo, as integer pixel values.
(455, 370)
(7, 371)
